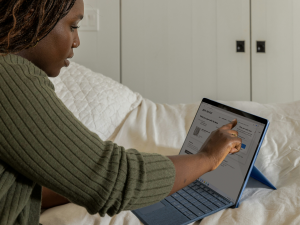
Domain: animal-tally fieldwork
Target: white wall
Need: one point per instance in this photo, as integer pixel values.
(100, 50)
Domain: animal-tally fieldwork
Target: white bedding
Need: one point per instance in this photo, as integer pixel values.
(151, 127)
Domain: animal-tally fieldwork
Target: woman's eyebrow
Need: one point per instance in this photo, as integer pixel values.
(79, 16)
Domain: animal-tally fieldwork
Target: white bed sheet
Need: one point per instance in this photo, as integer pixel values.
(162, 129)
(158, 128)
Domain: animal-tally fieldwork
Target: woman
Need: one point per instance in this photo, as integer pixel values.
(43, 144)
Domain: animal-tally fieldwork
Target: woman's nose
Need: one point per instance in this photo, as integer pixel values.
(76, 42)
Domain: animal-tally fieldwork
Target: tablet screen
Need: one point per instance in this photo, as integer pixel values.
(229, 177)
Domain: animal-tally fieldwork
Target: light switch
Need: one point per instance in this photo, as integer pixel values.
(91, 20)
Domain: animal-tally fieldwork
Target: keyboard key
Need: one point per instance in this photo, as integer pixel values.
(179, 206)
(195, 187)
(186, 188)
(192, 216)
(204, 194)
(184, 194)
(193, 200)
(203, 208)
(188, 205)
(196, 211)
(192, 185)
(212, 207)
(199, 190)
(225, 201)
(218, 203)
(190, 191)
(175, 195)
(183, 209)
(221, 200)
(194, 194)
(198, 203)
(210, 198)
(213, 200)
(187, 214)
(175, 203)
(201, 199)
(188, 197)
(180, 199)
(170, 199)
(184, 202)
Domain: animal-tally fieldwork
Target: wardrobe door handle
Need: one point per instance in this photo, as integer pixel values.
(261, 46)
(240, 46)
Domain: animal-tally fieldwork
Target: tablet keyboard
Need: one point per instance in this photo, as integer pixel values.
(196, 200)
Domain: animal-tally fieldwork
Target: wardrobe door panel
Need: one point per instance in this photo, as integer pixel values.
(176, 51)
(233, 24)
(276, 73)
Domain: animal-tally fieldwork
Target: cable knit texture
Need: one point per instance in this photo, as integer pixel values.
(43, 144)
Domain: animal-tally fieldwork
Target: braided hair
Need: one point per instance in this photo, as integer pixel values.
(17, 34)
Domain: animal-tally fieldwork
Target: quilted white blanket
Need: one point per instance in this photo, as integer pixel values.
(129, 120)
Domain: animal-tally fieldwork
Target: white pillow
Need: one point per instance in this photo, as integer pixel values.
(99, 102)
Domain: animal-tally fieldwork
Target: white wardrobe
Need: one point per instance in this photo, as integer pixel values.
(179, 51)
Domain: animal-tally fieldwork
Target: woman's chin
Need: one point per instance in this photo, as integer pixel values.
(54, 73)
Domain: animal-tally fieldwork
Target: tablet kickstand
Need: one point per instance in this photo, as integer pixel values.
(257, 175)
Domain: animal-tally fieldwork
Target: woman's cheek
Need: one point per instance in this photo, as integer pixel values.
(65, 45)
(63, 40)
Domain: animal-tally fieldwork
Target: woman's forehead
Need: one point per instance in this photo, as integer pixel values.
(77, 10)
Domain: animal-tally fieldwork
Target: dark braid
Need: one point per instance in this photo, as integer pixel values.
(17, 34)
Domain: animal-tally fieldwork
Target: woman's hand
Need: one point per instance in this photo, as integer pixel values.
(214, 150)
(220, 143)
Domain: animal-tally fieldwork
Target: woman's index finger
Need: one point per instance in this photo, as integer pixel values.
(231, 125)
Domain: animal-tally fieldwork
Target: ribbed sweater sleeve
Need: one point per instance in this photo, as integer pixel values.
(41, 139)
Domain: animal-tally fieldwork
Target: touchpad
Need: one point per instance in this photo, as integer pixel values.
(152, 208)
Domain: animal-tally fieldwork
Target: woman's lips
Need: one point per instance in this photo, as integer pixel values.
(67, 63)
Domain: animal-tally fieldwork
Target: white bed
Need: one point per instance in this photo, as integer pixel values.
(114, 112)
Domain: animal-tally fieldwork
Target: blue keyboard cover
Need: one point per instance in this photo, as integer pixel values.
(197, 200)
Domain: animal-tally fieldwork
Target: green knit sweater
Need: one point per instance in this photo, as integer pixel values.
(43, 144)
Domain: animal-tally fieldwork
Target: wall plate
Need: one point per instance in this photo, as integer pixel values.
(91, 20)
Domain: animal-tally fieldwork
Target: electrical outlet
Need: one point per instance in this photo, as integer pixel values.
(91, 20)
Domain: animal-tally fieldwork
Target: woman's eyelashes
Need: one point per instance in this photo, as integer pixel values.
(73, 28)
